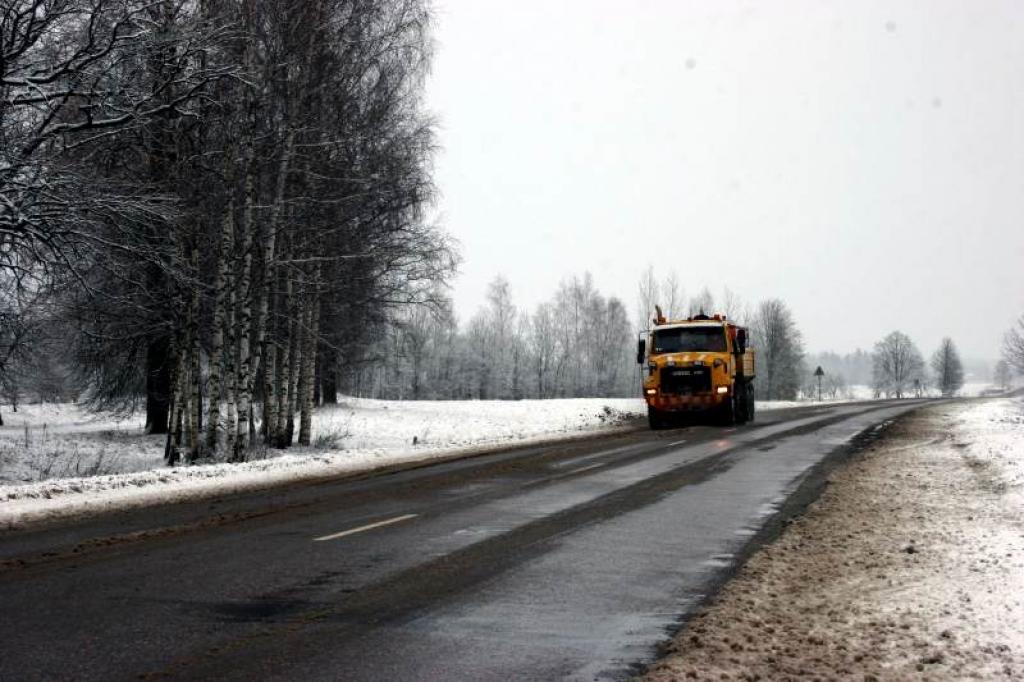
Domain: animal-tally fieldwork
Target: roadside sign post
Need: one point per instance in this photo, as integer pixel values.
(819, 373)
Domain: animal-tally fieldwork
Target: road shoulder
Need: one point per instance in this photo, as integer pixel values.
(911, 563)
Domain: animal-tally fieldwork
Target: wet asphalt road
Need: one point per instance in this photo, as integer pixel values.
(571, 560)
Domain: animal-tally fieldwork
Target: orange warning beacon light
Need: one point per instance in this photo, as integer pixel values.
(659, 316)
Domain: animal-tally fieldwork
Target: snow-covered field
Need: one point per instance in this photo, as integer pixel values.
(40, 442)
(857, 392)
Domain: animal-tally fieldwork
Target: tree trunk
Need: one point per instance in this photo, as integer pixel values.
(269, 364)
(245, 369)
(317, 377)
(308, 362)
(265, 342)
(231, 374)
(177, 405)
(214, 426)
(272, 363)
(195, 411)
(158, 384)
(287, 353)
(297, 342)
(328, 376)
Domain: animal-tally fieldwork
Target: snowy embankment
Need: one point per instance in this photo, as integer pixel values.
(58, 460)
(910, 566)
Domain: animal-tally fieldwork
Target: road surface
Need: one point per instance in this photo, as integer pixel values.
(556, 561)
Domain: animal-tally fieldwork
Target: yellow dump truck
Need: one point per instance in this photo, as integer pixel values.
(700, 364)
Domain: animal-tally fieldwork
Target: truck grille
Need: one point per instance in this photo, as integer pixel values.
(685, 380)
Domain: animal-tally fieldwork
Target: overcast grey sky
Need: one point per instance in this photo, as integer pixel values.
(862, 161)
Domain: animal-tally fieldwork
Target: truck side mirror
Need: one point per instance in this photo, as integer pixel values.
(641, 350)
(741, 341)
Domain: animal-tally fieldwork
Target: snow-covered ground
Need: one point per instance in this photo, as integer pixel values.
(61, 460)
(40, 442)
(910, 566)
(857, 392)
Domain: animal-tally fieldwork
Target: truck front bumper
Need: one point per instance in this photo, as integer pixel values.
(686, 403)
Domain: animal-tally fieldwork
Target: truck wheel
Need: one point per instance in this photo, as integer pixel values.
(741, 402)
(730, 414)
(655, 419)
(750, 401)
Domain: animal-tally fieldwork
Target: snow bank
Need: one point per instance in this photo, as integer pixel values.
(59, 460)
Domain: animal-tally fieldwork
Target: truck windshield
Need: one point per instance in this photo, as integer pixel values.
(687, 339)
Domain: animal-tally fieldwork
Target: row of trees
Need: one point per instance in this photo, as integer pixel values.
(576, 344)
(212, 202)
(580, 343)
(897, 367)
(900, 370)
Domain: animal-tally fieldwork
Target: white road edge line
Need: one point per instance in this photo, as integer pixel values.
(369, 526)
(586, 468)
(600, 453)
(566, 474)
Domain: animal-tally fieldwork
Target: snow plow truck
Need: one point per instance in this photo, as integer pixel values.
(697, 365)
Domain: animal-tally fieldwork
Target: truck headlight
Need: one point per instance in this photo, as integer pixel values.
(723, 389)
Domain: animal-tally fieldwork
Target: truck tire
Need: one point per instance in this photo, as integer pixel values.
(655, 419)
(741, 402)
(751, 405)
(730, 412)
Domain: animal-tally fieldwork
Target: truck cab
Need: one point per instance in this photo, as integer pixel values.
(700, 364)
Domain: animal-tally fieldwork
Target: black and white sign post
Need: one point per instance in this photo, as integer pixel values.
(819, 373)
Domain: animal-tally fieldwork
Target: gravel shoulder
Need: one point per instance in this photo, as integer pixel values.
(909, 566)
